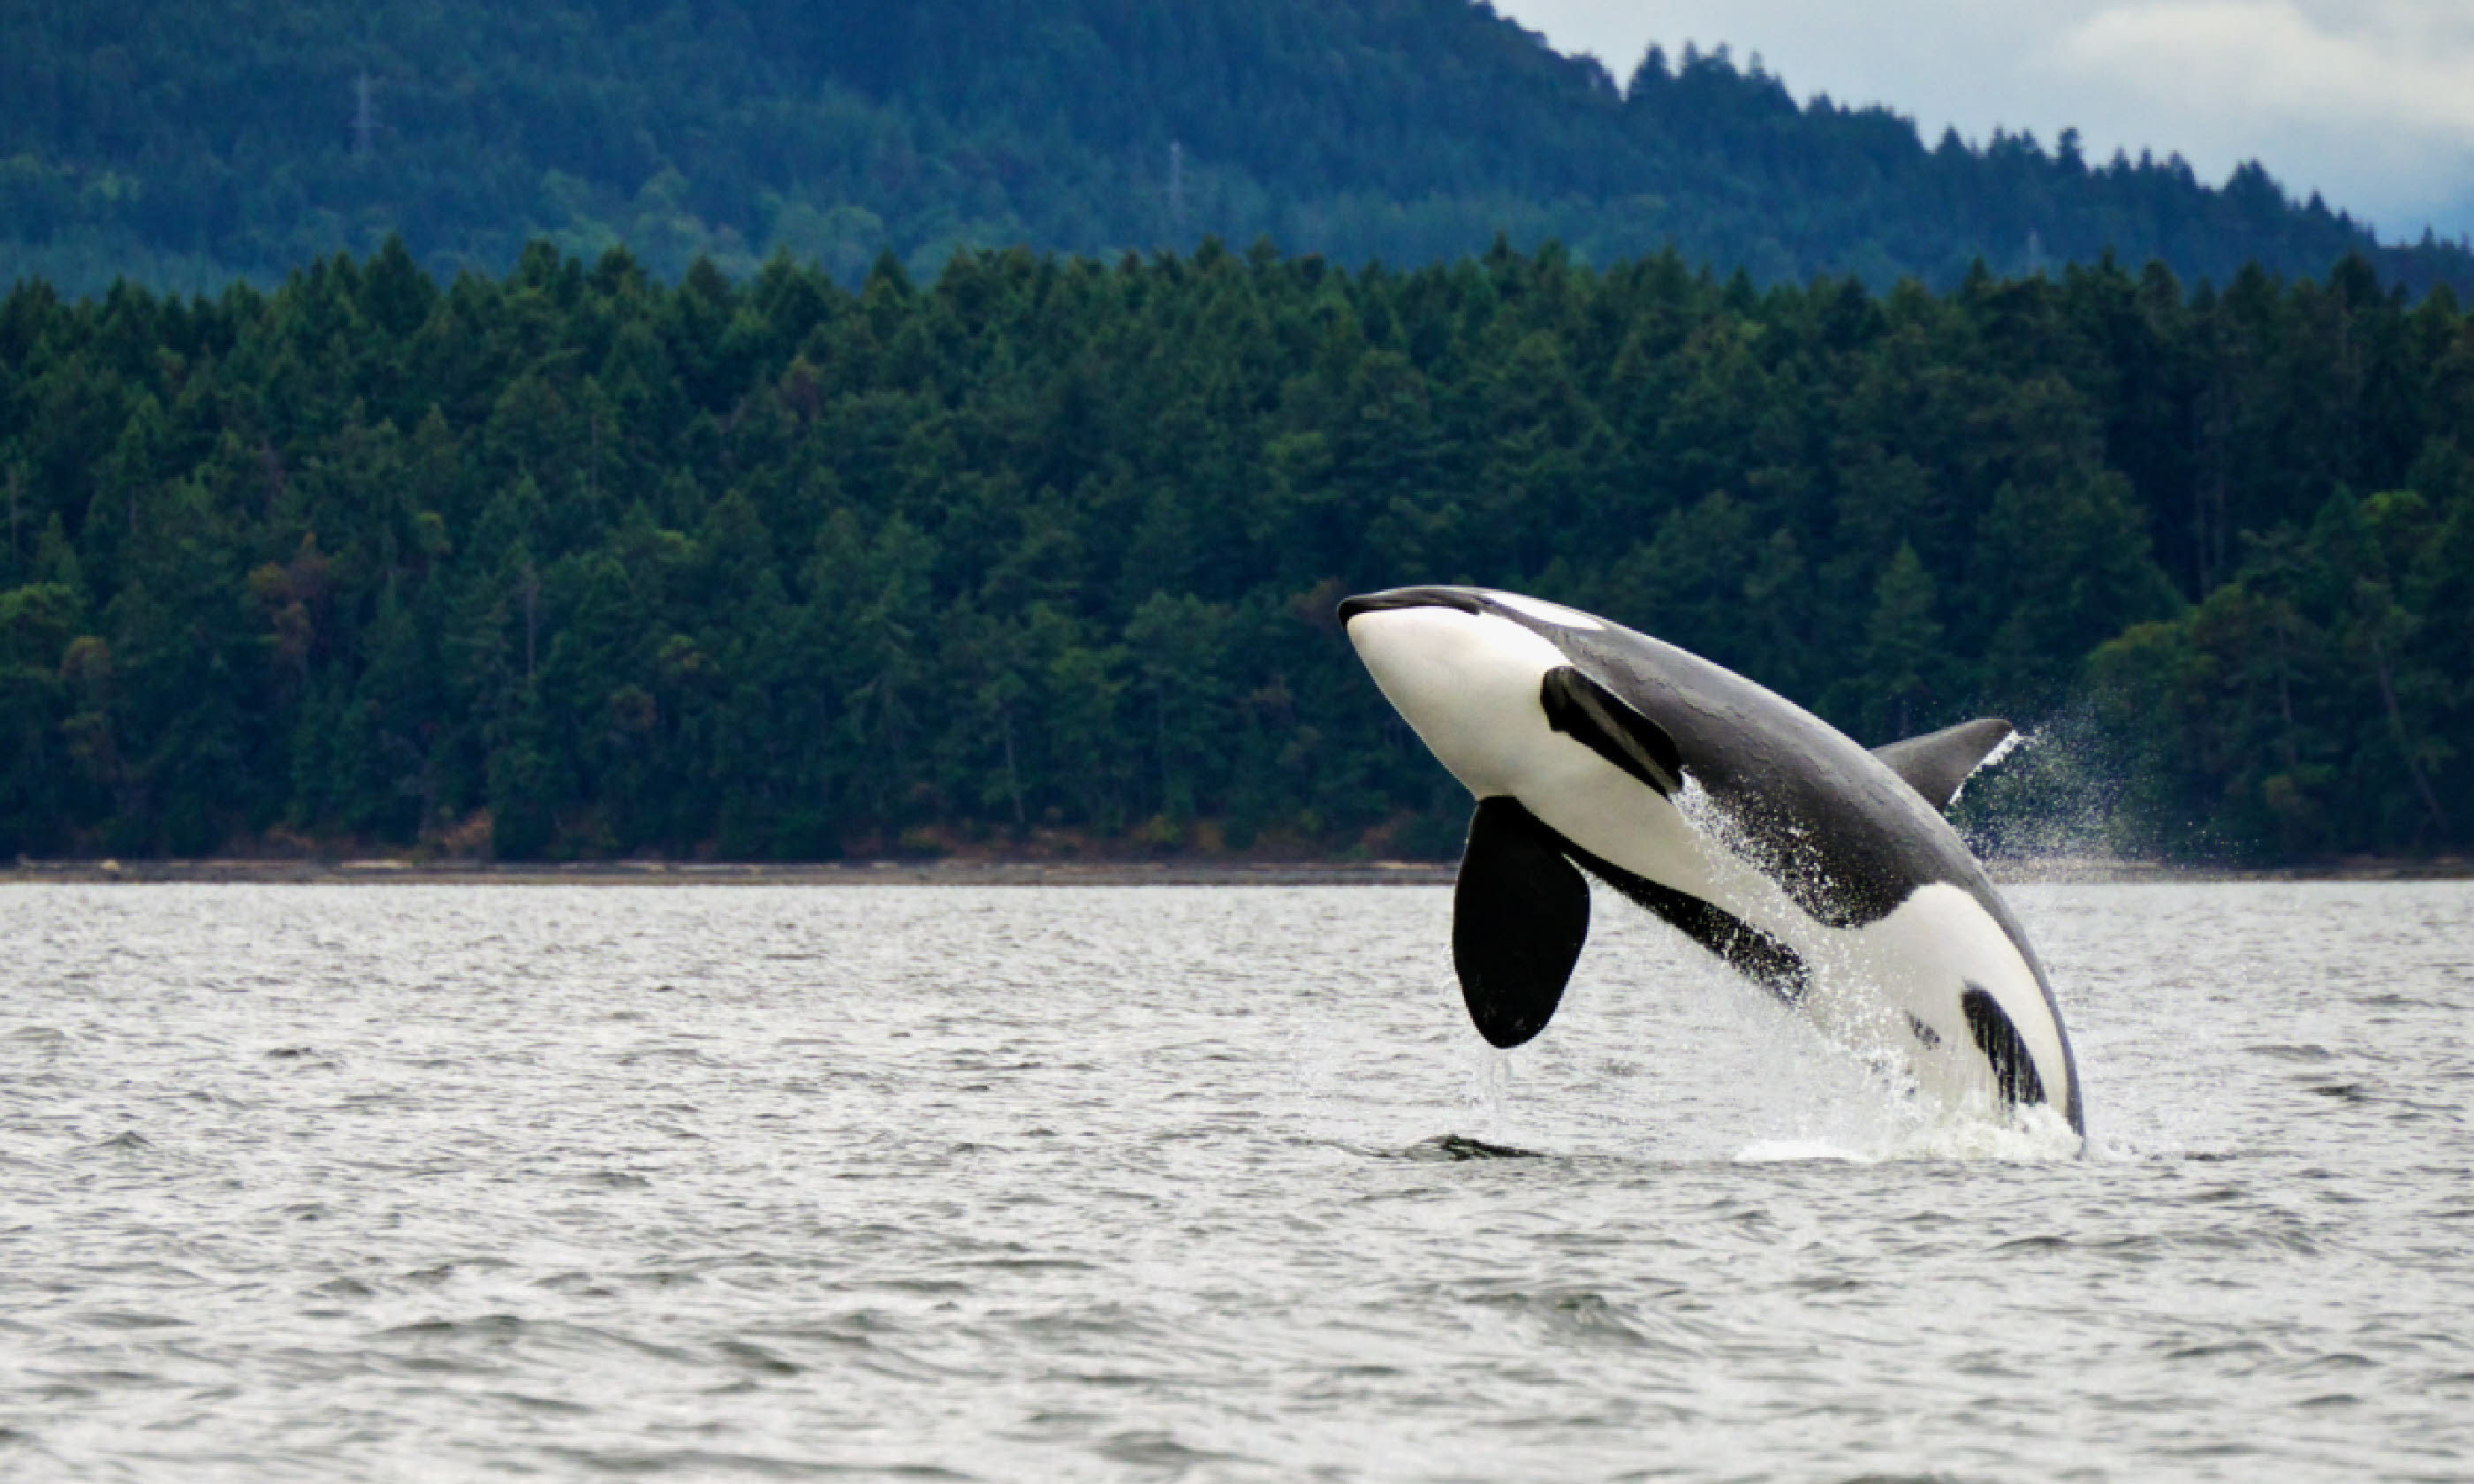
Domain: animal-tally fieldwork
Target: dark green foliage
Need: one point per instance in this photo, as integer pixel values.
(783, 569)
(181, 145)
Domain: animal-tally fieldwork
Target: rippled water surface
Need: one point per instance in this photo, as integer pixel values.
(435, 1183)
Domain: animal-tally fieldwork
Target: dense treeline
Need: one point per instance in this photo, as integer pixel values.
(575, 563)
(184, 144)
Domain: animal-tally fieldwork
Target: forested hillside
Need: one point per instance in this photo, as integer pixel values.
(189, 143)
(572, 563)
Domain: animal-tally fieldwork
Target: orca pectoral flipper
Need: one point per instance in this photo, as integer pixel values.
(1936, 763)
(1520, 912)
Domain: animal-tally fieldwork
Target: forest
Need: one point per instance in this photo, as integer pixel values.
(184, 145)
(1040, 555)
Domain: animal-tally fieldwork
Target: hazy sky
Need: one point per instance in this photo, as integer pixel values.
(2370, 102)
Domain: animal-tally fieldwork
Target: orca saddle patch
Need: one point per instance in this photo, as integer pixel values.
(1520, 912)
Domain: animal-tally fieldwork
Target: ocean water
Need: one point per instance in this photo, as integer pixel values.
(447, 1183)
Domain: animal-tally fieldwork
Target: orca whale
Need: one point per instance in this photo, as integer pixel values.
(1819, 870)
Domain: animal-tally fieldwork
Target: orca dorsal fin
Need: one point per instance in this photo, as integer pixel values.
(1520, 912)
(1936, 763)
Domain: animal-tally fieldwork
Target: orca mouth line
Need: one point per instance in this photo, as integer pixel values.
(1407, 597)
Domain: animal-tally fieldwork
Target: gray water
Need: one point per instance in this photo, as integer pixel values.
(438, 1182)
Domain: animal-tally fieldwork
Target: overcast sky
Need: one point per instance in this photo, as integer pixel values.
(2370, 102)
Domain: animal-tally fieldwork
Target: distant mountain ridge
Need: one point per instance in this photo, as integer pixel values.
(185, 144)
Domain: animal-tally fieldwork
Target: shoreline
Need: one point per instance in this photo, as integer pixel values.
(639, 873)
(1052, 872)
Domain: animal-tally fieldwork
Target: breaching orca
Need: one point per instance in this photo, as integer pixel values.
(1819, 870)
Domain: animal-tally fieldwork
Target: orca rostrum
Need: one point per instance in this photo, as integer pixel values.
(1818, 869)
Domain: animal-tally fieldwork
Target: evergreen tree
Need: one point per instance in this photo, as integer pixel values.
(1041, 554)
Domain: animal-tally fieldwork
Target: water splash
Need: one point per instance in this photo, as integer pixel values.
(2067, 803)
(1790, 1151)
(2029, 1136)
(2001, 753)
(1494, 1093)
